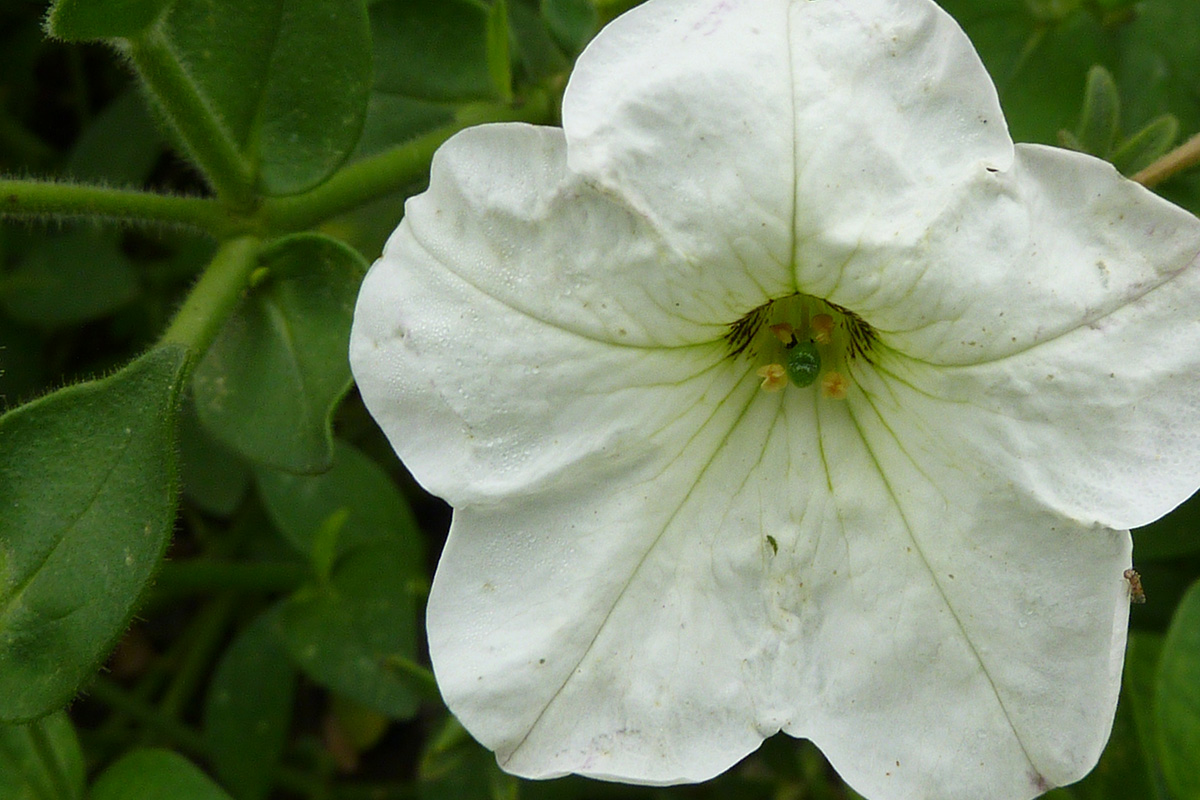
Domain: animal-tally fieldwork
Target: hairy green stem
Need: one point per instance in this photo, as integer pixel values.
(53, 199)
(214, 296)
(1186, 156)
(208, 141)
(386, 173)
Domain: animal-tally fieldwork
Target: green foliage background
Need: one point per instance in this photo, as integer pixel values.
(212, 567)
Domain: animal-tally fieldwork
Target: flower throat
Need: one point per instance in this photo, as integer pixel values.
(802, 340)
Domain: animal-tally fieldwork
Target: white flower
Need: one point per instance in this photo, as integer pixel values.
(660, 553)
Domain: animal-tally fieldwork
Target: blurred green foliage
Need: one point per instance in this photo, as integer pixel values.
(278, 653)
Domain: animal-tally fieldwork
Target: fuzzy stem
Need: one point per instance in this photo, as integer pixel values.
(1185, 156)
(386, 173)
(209, 142)
(57, 200)
(214, 296)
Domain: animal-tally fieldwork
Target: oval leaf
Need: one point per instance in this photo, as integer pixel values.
(353, 634)
(87, 503)
(1177, 699)
(153, 774)
(248, 710)
(437, 49)
(300, 505)
(269, 384)
(289, 80)
(41, 760)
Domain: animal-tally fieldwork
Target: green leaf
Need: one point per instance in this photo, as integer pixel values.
(572, 22)
(270, 383)
(499, 65)
(393, 119)
(1039, 55)
(87, 504)
(1147, 145)
(153, 774)
(83, 20)
(1100, 120)
(1172, 536)
(289, 80)
(215, 477)
(357, 487)
(354, 634)
(248, 710)
(453, 765)
(120, 145)
(41, 760)
(434, 49)
(1177, 699)
(1160, 62)
(1128, 765)
(536, 51)
(70, 278)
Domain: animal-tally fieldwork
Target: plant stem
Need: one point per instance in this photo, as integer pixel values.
(49, 758)
(206, 631)
(386, 173)
(112, 695)
(214, 296)
(1185, 156)
(52, 199)
(210, 144)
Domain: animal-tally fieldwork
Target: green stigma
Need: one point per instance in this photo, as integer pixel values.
(803, 363)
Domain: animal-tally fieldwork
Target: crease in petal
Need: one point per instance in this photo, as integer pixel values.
(953, 619)
(879, 158)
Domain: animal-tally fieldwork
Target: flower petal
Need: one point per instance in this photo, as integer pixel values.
(504, 334)
(961, 641)
(782, 123)
(785, 563)
(1063, 306)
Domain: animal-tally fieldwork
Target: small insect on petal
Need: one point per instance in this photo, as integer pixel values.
(1136, 593)
(803, 363)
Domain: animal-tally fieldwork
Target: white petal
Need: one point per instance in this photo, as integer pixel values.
(808, 128)
(504, 335)
(1067, 295)
(974, 647)
(642, 626)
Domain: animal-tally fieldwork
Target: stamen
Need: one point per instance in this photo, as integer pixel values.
(784, 333)
(774, 377)
(822, 326)
(834, 385)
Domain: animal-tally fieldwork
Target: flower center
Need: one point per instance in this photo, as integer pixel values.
(802, 340)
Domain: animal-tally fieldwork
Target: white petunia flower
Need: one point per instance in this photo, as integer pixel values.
(780, 391)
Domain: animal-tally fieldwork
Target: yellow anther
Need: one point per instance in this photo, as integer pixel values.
(774, 377)
(834, 385)
(784, 333)
(822, 325)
